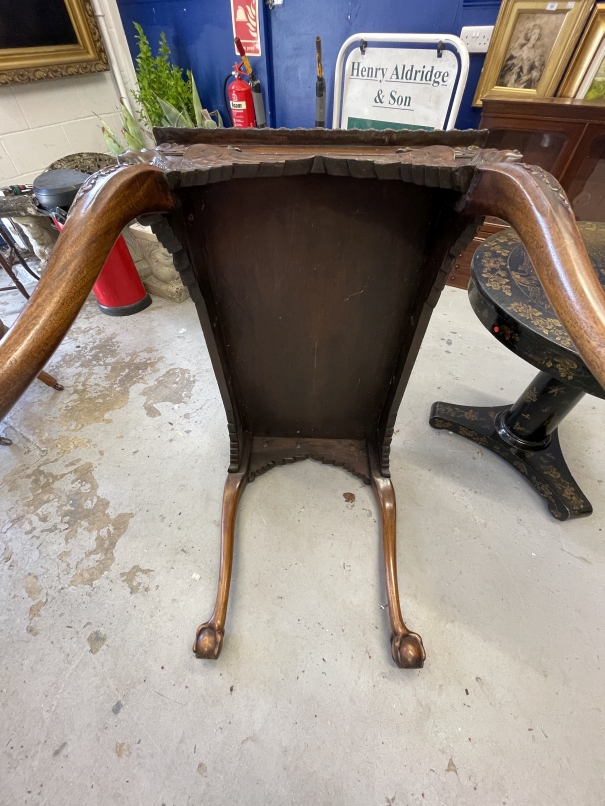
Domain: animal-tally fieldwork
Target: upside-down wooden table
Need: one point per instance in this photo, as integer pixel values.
(315, 259)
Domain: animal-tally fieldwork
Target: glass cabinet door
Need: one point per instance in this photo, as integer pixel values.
(585, 177)
(541, 148)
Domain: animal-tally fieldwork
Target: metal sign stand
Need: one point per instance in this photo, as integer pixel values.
(399, 88)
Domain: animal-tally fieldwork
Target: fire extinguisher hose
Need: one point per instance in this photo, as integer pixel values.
(225, 98)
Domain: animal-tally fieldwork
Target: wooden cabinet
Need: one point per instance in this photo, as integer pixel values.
(564, 136)
(585, 175)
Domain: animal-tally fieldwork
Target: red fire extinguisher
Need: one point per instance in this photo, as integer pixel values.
(241, 105)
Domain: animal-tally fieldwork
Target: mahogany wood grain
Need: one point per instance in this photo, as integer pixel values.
(50, 381)
(209, 636)
(407, 648)
(105, 204)
(46, 379)
(461, 271)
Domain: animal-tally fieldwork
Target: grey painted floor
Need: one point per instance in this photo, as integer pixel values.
(110, 505)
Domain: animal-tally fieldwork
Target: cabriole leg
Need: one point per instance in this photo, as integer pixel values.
(407, 648)
(209, 636)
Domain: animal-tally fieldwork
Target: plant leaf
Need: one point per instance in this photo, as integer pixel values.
(133, 142)
(172, 116)
(184, 121)
(131, 129)
(113, 144)
(219, 119)
(197, 104)
(129, 122)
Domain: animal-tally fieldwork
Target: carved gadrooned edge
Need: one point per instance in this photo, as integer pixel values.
(94, 178)
(431, 166)
(24, 75)
(384, 449)
(161, 228)
(549, 180)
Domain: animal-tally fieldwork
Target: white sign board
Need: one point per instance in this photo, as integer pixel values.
(398, 88)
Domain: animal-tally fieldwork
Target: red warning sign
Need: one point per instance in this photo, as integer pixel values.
(246, 25)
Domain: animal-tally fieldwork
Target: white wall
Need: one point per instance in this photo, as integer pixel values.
(45, 120)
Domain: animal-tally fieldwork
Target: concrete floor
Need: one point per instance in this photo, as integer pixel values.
(110, 507)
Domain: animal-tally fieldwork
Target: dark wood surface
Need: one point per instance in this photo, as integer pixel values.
(315, 259)
(554, 133)
(355, 140)
(293, 312)
(571, 109)
(564, 136)
(461, 270)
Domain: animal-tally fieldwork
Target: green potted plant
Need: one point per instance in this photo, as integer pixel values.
(165, 98)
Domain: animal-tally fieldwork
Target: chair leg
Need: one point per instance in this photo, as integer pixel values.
(8, 269)
(50, 381)
(209, 636)
(43, 376)
(407, 648)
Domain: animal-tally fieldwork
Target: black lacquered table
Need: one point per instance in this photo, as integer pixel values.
(508, 298)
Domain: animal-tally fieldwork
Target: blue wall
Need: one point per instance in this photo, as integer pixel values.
(200, 35)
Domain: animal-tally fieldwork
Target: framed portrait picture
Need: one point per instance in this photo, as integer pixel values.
(585, 76)
(532, 43)
(42, 39)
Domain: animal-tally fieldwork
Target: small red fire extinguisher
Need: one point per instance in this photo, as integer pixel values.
(241, 104)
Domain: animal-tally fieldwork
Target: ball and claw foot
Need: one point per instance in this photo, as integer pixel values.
(208, 642)
(408, 651)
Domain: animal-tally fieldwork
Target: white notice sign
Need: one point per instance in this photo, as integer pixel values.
(398, 88)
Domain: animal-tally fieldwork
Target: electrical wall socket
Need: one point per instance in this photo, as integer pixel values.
(477, 37)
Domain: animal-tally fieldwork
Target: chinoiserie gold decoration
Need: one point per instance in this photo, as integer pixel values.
(585, 76)
(532, 43)
(25, 64)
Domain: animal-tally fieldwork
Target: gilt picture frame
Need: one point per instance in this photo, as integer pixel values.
(42, 39)
(585, 76)
(532, 44)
